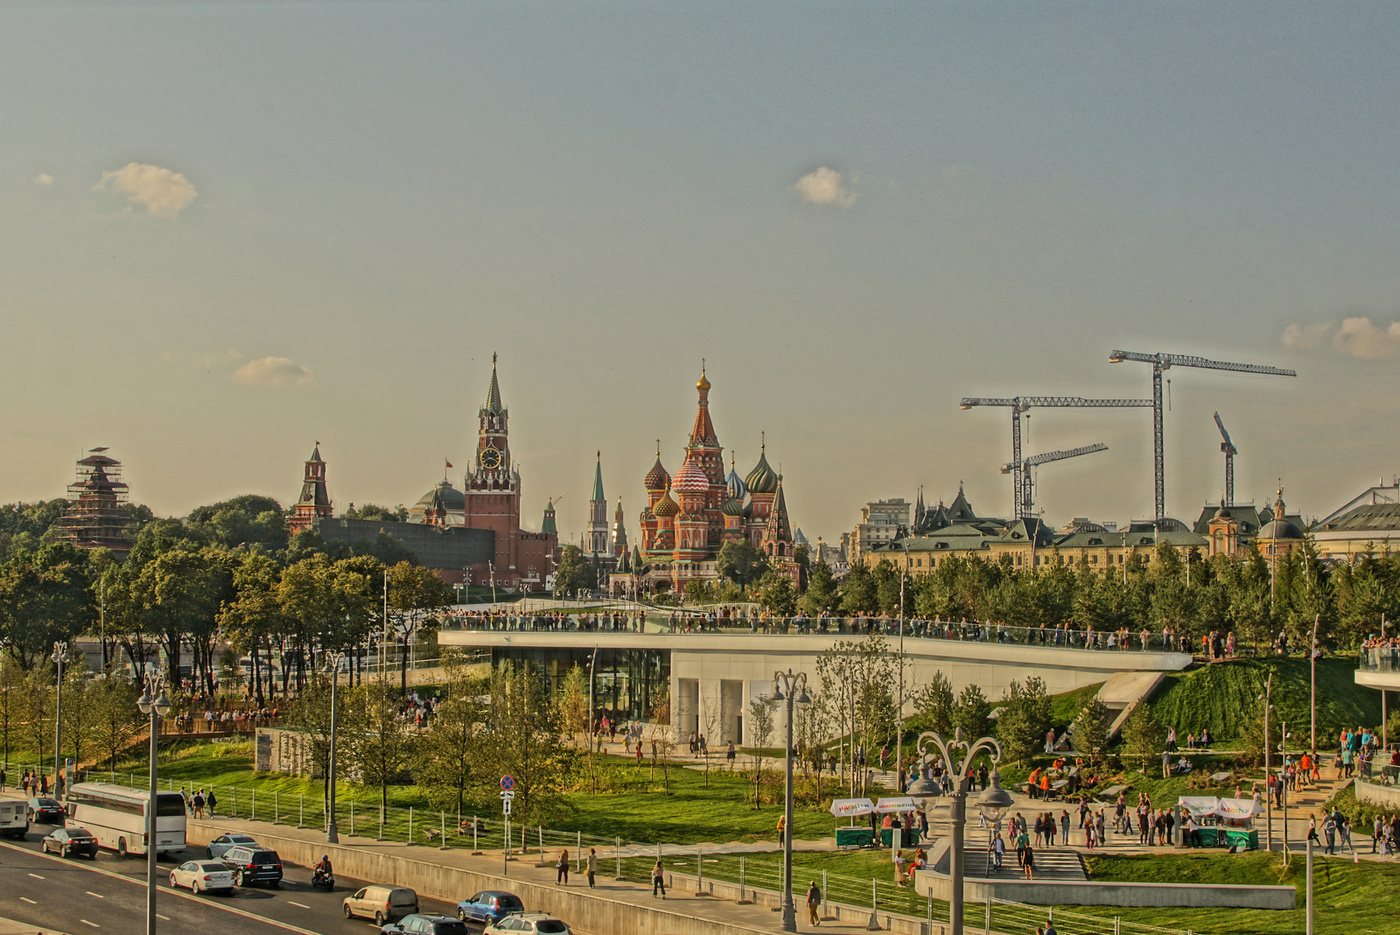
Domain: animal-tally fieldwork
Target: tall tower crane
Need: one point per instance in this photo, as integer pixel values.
(1027, 505)
(1020, 405)
(1230, 450)
(1160, 364)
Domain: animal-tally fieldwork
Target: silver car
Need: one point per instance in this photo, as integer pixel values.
(202, 876)
(223, 842)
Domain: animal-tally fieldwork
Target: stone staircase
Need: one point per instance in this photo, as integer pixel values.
(1059, 864)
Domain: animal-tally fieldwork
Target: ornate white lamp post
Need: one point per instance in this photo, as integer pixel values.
(791, 687)
(155, 703)
(993, 802)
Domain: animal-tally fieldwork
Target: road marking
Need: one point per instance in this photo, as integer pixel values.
(93, 924)
(28, 900)
(36, 876)
(298, 905)
(91, 893)
(251, 916)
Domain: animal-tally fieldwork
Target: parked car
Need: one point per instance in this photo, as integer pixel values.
(489, 906)
(202, 876)
(381, 903)
(253, 865)
(425, 923)
(528, 923)
(46, 811)
(223, 842)
(65, 842)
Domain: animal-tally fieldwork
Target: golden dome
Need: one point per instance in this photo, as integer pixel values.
(703, 385)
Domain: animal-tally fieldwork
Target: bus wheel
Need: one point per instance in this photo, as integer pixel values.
(121, 847)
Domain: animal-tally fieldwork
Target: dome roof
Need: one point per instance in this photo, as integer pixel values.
(1223, 513)
(762, 479)
(691, 478)
(1280, 529)
(657, 478)
(444, 495)
(733, 507)
(665, 506)
(735, 484)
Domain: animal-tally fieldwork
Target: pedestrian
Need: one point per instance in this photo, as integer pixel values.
(814, 901)
(658, 880)
(2, 779)
(1312, 830)
(43, 783)
(197, 804)
(782, 827)
(1329, 831)
(729, 755)
(1028, 862)
(562, 868)
(1064, 826)
(209, 801)
(592, 865)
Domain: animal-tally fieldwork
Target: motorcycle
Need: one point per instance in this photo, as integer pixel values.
(323, 880)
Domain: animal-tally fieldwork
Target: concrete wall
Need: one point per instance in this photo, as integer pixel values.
(585, 911)
(1372, 794)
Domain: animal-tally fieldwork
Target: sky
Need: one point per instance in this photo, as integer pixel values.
(234, 229)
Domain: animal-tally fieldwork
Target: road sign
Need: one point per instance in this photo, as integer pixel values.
(505, 806)
(507, 783)
(507, 796)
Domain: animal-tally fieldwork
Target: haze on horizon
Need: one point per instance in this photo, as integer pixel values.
(233, 229)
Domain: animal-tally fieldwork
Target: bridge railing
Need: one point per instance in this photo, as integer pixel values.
(1379, 658)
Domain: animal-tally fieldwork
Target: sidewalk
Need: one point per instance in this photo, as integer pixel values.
(10, 927)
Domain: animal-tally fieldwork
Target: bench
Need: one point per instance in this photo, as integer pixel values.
(1110, 793)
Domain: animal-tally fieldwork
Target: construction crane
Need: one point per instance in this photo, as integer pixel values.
(1026, 507)
(1228, 447)
(1160, 364)
(1020, 405)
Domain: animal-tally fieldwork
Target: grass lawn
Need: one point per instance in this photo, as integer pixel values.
(1355, 899)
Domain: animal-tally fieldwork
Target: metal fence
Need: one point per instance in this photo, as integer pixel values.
(1379, 659)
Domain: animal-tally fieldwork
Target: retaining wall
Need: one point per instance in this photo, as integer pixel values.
(1372, 794)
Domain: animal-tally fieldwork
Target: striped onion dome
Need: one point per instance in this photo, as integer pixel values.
(691, 478)
(733, 507)
(735, 484)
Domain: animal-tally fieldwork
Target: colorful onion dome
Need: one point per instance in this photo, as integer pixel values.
(762, 479)
(735, 484)
(665, 506)
(733, 507)
(691, 478)
(657, 478)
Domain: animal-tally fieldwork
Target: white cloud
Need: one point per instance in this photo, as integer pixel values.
(824, 187)
(1306, 337)
(43, 178)
(273, 371)
(161, 192)
(1360, 338)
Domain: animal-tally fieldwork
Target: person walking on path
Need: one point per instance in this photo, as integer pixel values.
(1329, 831)
(1312, 830)
(782, 828)
(658, 879)
(562, 876)
(210, 801)
(814, 901)
(592, 865)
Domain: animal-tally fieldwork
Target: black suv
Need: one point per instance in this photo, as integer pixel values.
(253, 865)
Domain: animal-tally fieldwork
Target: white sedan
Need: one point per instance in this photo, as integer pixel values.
(201, 876)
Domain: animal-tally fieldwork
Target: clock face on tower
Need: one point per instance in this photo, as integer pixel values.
(490, 458)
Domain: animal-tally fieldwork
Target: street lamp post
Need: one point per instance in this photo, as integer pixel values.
(60, 656)
(993, 803)
(899, 735)
(155, 703)
(1267, 698)
(791, 687)
(333, 663)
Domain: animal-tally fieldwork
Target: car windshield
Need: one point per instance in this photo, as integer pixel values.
(265, 857)
(213, 868)
(79, 834)
(47, 803)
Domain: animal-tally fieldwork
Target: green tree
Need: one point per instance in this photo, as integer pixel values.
(858, 590)
(933, 705)
(777, 593)
(310, 713)
(971, 713)
(11, 703)
(741, 562)
(45, 597)
(821, 593)
(574, 573)
(522, 739)
(452, 760)
(415, 595)
(116, 721)
(699, 592)
(761, 711)
(1024, 719)
(383, 748)
(1144, 737)
(1089, 732)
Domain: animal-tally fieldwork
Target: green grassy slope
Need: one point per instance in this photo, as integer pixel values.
(1224, 696)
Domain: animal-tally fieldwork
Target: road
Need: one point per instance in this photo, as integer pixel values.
(108, 897)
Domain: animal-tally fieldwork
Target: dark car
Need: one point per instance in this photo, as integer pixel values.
(65, 842)
(46, 811)
(489, 906)
(253, 865)
(425, 923)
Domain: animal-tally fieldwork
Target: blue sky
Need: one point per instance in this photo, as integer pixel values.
(232, 229)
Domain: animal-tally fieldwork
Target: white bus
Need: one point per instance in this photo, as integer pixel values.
(116, 815)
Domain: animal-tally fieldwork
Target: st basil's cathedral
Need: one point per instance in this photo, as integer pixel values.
(691, 514)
